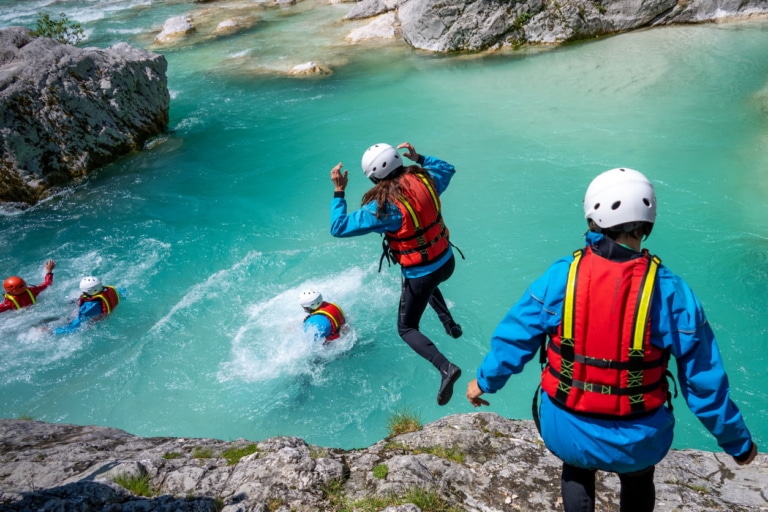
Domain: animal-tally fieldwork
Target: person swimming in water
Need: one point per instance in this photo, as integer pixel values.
(18, 295)
(324, 319)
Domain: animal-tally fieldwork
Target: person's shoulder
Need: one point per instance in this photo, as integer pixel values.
(670, 280)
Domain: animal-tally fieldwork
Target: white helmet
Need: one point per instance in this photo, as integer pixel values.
(310, 299)
(380, 160)
(91, 285)
(620, 196)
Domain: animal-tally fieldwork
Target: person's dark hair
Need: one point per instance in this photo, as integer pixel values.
(640, 230)
(389, 189)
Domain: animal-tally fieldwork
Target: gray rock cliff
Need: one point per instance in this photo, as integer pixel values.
(475, 25)
(65, 111)
(474, 462)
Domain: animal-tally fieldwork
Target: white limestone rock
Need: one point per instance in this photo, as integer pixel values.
(382, 27)
(175, 28)
(309, 69)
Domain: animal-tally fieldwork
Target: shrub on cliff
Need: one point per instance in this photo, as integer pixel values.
(62, 29)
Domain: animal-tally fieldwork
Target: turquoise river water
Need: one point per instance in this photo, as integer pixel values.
(217, 226)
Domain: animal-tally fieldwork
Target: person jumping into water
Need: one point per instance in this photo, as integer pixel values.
(404, 206)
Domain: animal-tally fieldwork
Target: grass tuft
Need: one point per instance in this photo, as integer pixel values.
(402, 422)
(138, 485)
(233, 455)
(381, 471)
(202, 452)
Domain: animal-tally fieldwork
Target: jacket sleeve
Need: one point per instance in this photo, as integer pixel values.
(441, 172)
(45, 284)
(5, 305)
(700, 370)
(87, 311)
(523, 330)
(362, 221)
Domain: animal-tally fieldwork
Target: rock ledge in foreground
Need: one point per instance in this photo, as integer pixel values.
(474, 462)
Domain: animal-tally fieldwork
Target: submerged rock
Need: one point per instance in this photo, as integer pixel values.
(174, 29)
(309, 68)
(474, 462)
(65, 111)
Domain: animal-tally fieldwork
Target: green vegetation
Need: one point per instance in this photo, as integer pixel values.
(202, 452)
(171, 455)
(522, 20)
(317, 452)
(138, 485)
(233, 455)
(403, 422)
(380, 471)
(334, 492)
(25, 417)
(61, 29)
(274, 504)
(453, 454)
(427, 501)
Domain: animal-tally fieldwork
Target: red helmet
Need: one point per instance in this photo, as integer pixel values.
(14, 285)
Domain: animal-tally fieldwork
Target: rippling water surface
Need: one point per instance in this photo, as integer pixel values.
(216, 227)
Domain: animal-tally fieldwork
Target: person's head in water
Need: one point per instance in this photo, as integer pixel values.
(310, 300)
(620, 203)
(91, 285)
(15, 285)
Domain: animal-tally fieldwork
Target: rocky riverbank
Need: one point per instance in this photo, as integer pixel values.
(65, 111)
(475, 462)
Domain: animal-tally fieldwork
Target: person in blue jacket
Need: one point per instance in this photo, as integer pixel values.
(607, 319)
(96, 302)
(404, 206)
(324, 320)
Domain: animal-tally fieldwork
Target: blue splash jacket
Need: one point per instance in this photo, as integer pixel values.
(678, 324)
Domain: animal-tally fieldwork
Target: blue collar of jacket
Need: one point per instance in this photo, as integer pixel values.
(608, 248)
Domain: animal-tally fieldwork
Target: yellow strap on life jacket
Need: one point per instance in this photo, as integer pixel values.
(16, 303)
(431, 190)
(644, 304)
(334, 320)
(570, 296)
(412, 213)
(106, 301)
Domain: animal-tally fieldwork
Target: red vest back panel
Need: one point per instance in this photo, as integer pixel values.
(607, 366)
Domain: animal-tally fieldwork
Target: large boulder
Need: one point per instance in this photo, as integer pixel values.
(474, 25)
(65, 111)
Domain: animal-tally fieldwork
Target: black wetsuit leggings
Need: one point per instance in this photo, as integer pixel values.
(414, 297)
(638, 492)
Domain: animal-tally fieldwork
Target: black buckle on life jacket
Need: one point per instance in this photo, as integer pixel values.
(386, 252)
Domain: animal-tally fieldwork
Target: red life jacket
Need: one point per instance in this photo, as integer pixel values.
(108, 296)
(334, 314)
(601, 360)
(21, 300)
(422, 237)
